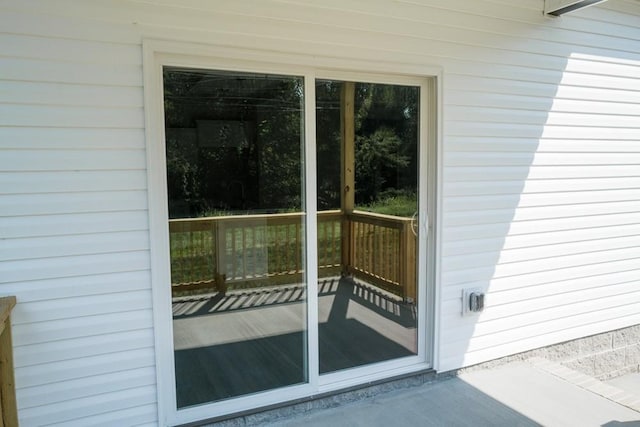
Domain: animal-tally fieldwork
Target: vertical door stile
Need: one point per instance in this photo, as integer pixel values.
(311, 227)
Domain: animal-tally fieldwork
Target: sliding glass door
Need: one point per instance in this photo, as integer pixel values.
(234, 145)
(367, 175)
(296, 232)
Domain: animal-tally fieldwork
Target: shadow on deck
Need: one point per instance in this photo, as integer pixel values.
(254, 340)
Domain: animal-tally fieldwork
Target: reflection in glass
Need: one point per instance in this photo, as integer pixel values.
(234, 182)
(367, 174)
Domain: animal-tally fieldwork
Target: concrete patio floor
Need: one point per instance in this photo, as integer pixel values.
(629, 383)
(528, 393)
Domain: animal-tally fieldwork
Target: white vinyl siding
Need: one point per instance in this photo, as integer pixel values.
(540, 166)
(74, 222)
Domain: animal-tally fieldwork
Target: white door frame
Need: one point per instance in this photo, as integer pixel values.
(158, 54)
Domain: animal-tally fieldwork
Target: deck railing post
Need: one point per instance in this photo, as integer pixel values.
(347, 128)
(8, 404)
(220, 257)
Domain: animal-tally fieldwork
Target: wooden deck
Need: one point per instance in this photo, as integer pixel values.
(253, 340)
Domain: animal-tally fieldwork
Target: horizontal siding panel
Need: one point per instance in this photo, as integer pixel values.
(31, 183)
(16, 271)
(539, 104)
(543, 191)
(455, 272)
(582, 275)
(545, 225)
(532, 186)
(581, 132)
(463, 98)
(87, 326)
(530, 145)
(595, 94)
(594, 120)
(516, 214)
(142, 415)
(74, 203)
(59, 351)
(41, 70)
(543, 75)
(459, 158)
(468, 128)
(42, 25)
(17, 115)
(68, 50)
(81, 306)
(76, 287)
(584, 64)
(84, 407)
(539, 239)
(483, 275)
(565, 98)
(84, 244)
(575, 70)
(70, 139)
(83, 367)
(573, 146)
(544, 117)
(516, 294)
(535, 172)
(527, 200)
(71, 224)
(595, 80)
(504, 256)
(71, 95)
(506, 303)
(72, 160)
(535, 88)
(491, 83)
(87, 386)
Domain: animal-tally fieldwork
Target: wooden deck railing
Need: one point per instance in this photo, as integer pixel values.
(8, 406)
(383, 252)
(238, 251)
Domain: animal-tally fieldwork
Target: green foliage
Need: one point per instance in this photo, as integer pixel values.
(259, 168)
(399, 204)
(375, 154)
(233, 142)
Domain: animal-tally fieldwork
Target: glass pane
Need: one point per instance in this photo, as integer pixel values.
(234, 179)
(367, 171)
